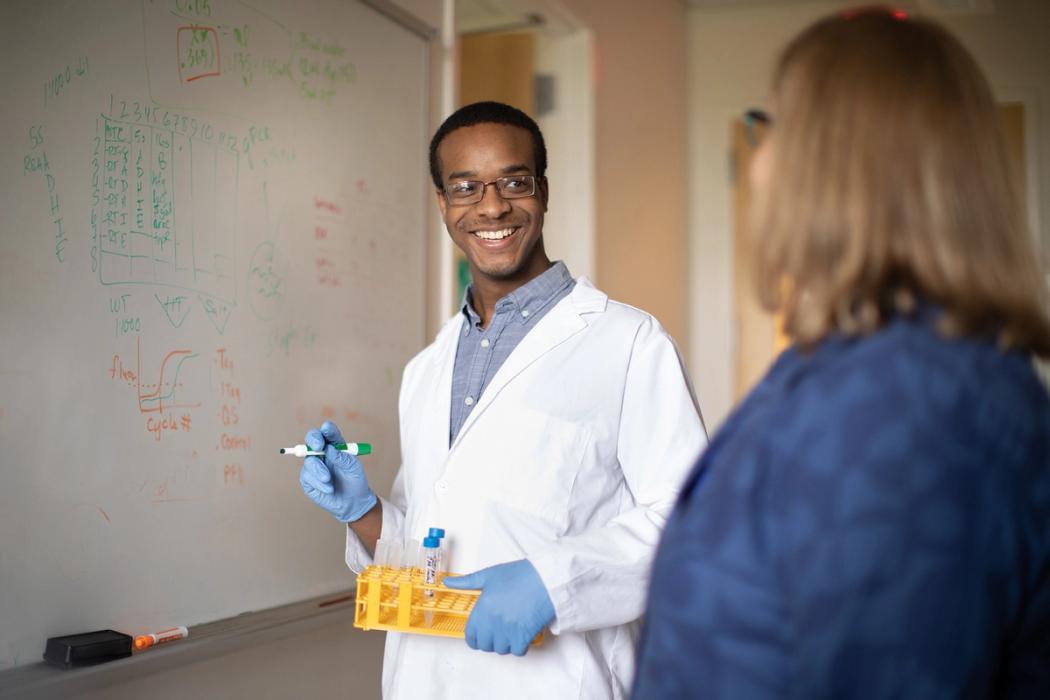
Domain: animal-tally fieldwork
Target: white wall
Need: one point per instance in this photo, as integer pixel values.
(440, 14)
(731, 56)
(568, 130)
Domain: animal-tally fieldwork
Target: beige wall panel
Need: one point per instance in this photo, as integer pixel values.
(640, 155)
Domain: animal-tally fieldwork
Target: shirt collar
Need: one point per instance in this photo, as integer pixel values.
(531, 296)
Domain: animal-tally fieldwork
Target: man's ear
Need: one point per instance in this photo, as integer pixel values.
(544, 193)
(442, 202)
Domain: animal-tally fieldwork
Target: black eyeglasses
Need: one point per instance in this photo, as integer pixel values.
(757, 116)
(473, 191)
(753, 119)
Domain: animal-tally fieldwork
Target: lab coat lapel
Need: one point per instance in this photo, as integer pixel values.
(561, 323)
(439, 402)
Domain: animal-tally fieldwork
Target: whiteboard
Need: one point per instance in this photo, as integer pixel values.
(212, 239)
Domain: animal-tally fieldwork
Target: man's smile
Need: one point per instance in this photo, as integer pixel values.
(495, 234)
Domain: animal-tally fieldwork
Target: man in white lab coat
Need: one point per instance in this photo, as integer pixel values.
(547, 430)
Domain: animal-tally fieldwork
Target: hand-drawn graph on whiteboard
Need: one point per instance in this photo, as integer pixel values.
(169, 385)
(167, 209)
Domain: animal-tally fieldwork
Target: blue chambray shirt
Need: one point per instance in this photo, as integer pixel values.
(482, 352)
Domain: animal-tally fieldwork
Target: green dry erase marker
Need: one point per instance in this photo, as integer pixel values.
(351, 448)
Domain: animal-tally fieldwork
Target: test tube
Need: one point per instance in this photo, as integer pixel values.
(393, 554)
(412, 550)
(443, 557)
(430, 562)
(382, 555)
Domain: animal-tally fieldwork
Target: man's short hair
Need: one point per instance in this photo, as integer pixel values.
(487, 113)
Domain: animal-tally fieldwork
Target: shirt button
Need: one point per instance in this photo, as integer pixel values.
(485, 343)
(441, 487)
(525, 313)
(469, 400)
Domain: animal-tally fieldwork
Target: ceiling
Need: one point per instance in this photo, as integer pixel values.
(472, 14)
(708, 4)
(498, 15)
(933, 7)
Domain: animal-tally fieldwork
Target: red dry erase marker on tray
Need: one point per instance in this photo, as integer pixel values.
(170, 635)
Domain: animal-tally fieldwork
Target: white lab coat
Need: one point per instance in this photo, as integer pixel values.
(572, 458)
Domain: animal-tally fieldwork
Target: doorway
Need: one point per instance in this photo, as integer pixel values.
(538, 58)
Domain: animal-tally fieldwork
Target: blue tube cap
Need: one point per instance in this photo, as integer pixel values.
(436, 532)
(431, 542)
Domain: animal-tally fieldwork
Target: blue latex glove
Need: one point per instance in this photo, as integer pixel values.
(338, 483)
(512, 609)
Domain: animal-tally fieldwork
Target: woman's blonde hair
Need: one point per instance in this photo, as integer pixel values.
(890, 184)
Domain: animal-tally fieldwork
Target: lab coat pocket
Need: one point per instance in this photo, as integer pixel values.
(539, 468)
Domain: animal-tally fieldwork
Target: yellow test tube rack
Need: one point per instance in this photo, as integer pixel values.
(397, 600)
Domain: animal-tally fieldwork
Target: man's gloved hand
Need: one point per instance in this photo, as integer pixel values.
(512, 609)
(338, 482)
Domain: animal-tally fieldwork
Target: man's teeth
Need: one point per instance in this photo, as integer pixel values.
(494, 235)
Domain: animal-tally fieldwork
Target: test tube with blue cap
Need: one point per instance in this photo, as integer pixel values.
(430, 563)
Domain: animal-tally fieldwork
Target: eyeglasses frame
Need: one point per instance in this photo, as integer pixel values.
(754, 119)
(484, 185)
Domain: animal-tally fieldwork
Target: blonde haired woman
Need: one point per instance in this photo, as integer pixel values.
(874, 519)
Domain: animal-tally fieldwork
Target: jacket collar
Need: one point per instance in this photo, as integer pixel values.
(562, 322)
(530, 297)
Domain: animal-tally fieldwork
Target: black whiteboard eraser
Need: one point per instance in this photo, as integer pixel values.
(88, 648)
